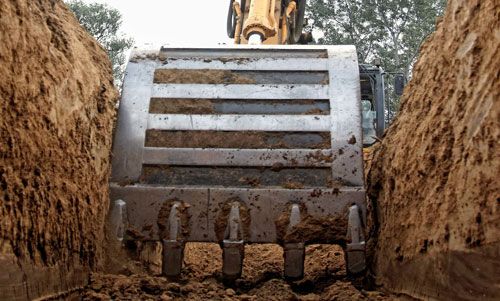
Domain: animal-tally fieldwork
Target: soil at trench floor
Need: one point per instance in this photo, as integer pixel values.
(325, 278)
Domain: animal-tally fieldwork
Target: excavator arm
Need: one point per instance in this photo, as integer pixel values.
(273, 22)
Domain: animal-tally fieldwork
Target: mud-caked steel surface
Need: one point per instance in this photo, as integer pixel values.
(269, 192)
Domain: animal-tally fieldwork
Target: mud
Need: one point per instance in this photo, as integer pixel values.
(224, 176)
(173, 76)
(239, 106)
(435, 175)
(241, 140)
(328, 229)
(292, 185)
(318, 156)
(164, 216)
(252, 182)
(227, 77)
(56, 115)
(325, 278)
(181, 106)
(221, 224)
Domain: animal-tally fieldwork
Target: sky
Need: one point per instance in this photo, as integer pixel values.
(153, 23)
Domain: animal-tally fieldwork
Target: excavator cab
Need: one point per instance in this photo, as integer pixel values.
(242, 144)
(373, 102)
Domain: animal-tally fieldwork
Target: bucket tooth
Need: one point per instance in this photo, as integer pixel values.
(173, 254)
(232, 253)
(233, 245)
(294, 260)
(355, 251)
(294, 253)
(173, 248)
(118, 218)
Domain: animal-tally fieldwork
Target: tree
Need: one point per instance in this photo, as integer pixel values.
(391, 30)
(103, 23)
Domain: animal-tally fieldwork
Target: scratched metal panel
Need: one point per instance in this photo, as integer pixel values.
(238, 139)
(235, 176)
(345, 106)
(267, 64)
(202, 76)
(206, 208)
(237, 157)
(236, 91)
(243, 52)
(143, 205)
(233, 122)
(132, 121)
(239, 106)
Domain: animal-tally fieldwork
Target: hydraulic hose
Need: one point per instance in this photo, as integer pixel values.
(231, 18)
(296, 31)
(231, 21)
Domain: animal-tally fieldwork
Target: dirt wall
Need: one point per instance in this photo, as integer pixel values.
(435, 176)
(56, 114)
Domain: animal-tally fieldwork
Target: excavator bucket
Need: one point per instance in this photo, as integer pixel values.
(240, 145)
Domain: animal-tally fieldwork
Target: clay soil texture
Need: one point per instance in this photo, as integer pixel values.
(325, 277)
(57, 105)
(434, 178)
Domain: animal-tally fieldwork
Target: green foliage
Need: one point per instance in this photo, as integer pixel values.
(103, 23)
(391, 30)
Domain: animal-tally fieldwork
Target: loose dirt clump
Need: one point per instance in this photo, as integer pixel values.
(181, 213)
(180, 76)
(292, 185)
(330, 229)
(317, 112)
(56, 115)
(435, 175)
(181, 106)
(254, 182)
(319, 156)
(221, 224)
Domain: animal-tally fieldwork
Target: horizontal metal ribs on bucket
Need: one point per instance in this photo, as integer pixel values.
(255, 95)
(237, 133)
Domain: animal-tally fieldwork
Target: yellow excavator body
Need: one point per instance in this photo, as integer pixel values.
(270, 20)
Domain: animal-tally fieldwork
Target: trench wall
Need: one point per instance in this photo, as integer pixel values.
(434, 178)
(56, 114)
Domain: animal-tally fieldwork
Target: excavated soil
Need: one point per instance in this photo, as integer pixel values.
(325, 278)
(239, 140)
(175, 76)
(328, 229)
(164, 215)
(435, 175)
(181, 106)
(56, 115)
